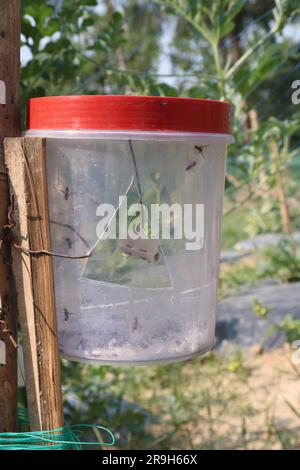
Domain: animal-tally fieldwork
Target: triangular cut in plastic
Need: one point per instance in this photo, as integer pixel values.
(132, 263)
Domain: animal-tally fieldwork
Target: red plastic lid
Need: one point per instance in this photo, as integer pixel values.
(132, 113)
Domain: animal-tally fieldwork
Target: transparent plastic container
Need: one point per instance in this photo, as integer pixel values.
(112, 307)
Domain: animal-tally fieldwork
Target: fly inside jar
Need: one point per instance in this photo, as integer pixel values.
(135, 188)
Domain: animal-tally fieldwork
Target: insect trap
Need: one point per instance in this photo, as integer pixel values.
(135, 188)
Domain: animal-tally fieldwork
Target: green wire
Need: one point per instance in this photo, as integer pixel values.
(64, 438)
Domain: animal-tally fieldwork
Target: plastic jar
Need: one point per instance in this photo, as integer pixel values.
(139, 301)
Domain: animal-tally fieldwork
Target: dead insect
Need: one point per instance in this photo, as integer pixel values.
(69, 242)
(135, 324)
(66, 314)
(200, 148)
(66, 193)
(190, 166)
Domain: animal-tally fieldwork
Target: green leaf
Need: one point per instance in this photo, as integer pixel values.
(87, 22)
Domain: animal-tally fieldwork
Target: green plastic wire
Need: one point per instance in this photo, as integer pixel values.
(64, 438)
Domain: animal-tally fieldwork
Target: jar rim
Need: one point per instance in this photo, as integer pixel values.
(196, 137)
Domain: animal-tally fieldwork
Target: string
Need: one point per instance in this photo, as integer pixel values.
(64, 438)
(48, 253)
(67, 437)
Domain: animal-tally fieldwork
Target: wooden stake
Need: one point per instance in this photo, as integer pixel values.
(26, 162)
(9, 126)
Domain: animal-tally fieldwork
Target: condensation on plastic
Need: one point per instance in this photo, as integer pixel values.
(114, 308)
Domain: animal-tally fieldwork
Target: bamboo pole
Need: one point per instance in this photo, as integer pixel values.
(26, 162)
(9, 126)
